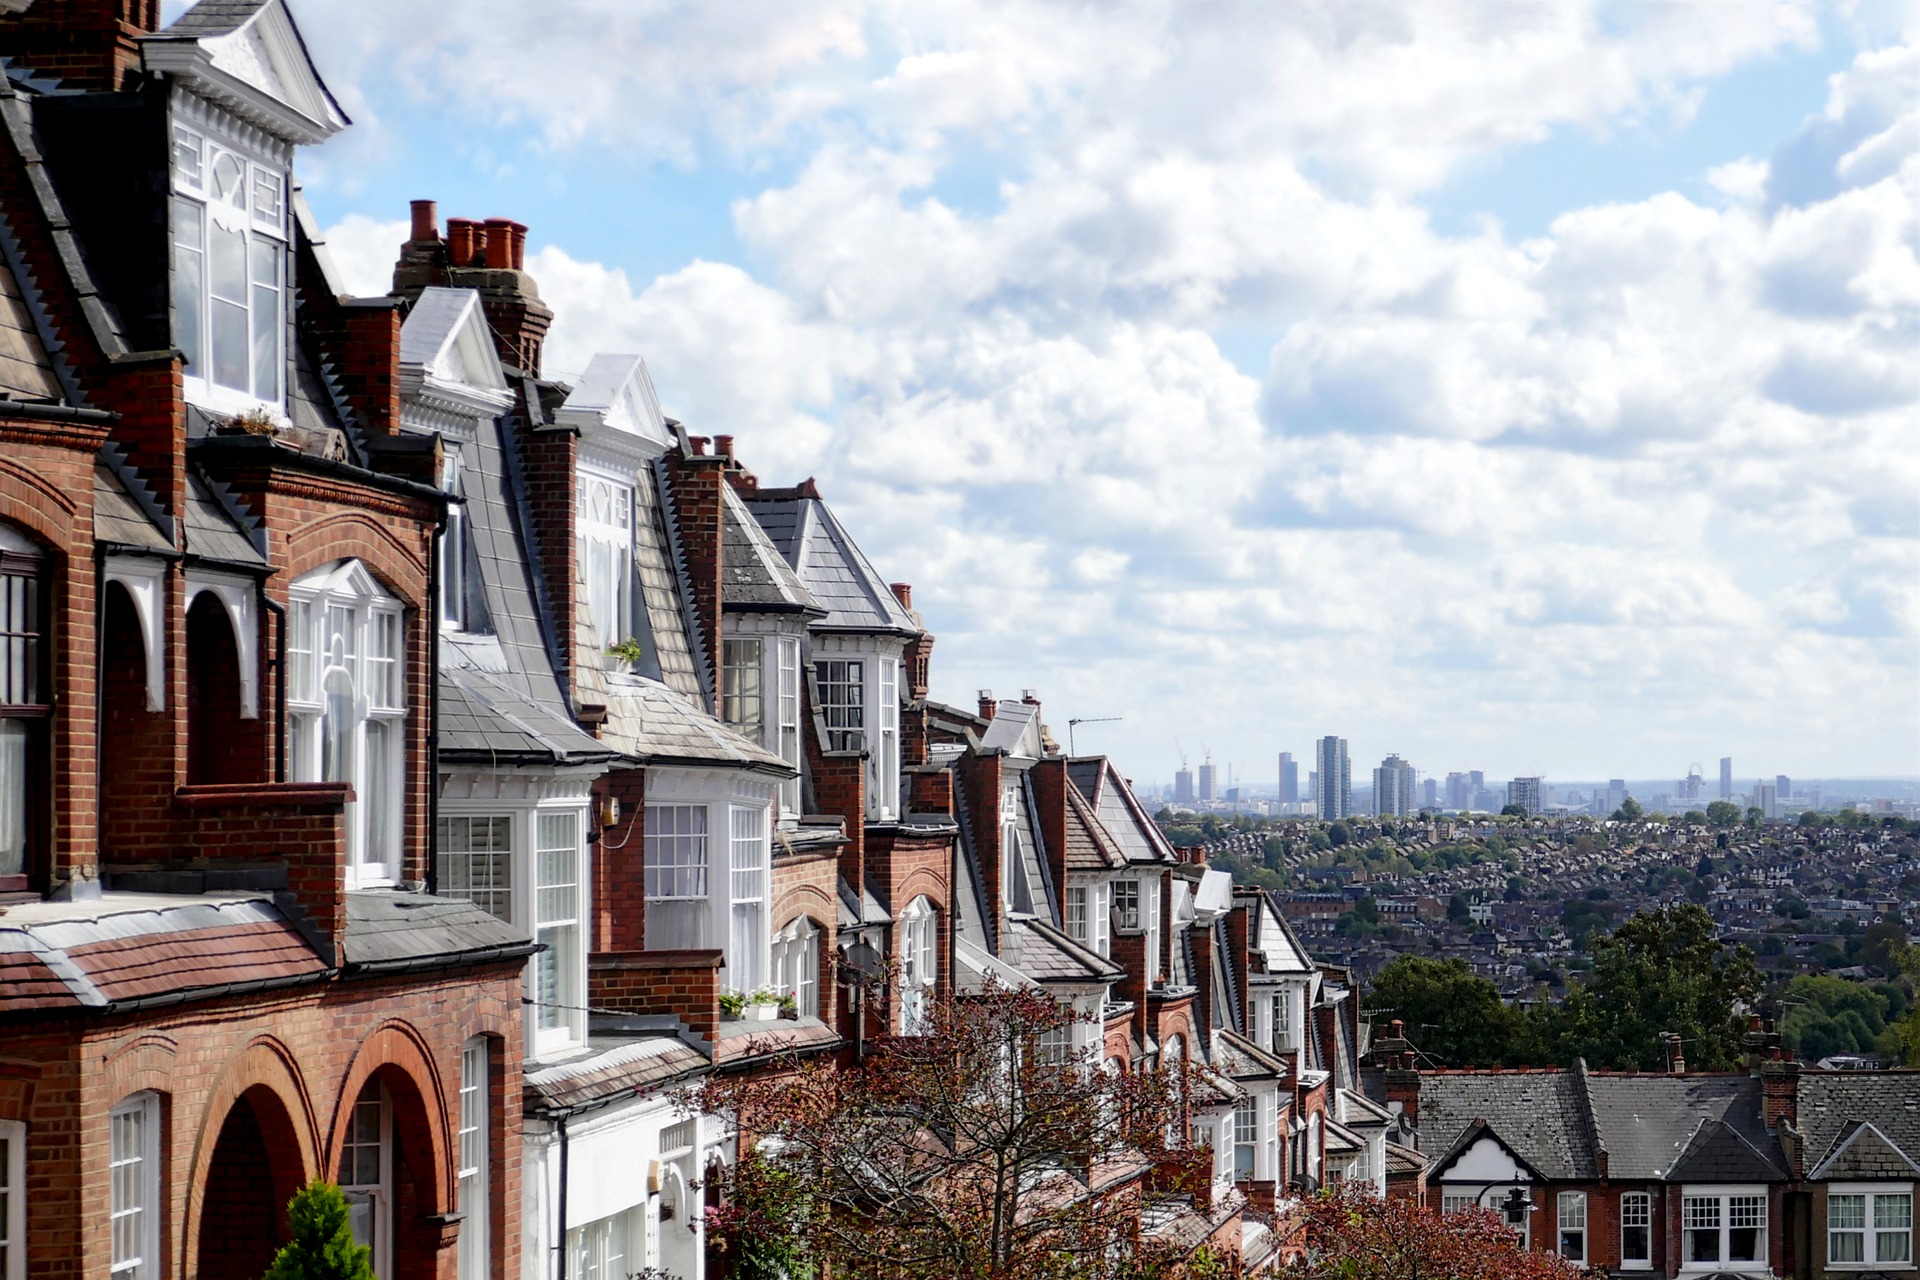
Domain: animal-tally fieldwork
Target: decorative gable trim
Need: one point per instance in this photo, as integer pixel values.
(1845, 1160)
(259, 70)
(1468, 1140)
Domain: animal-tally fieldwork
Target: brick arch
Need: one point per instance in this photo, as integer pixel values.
(16, 483)
(396, 1055)
(144, 1062)
(922, 882)
(351, 535)
(808, 900)
(263, 1076)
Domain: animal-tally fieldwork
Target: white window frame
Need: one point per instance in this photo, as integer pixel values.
(1078, 906)
(369, 655)
(559, 909)
(473, 1170)
(134, 1208)
(13, 1200)
(743, 685)
(609, 1248)
(1150, 905)
(1246, 1139)
(477, 870)
(786, 745)
(1882, 1247)
(1723, 1201)
(679, 865)
(458, 591)
(1636, 1210)
(1569, 1219)
(841, 681)
(259, 216)
(603, 530)
(748, 874)
(1127, 918)
(919, 966)
(796, 965)
(883, 763)
(376, 1194)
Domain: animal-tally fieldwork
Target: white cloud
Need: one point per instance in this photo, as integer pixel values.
(1632, 493)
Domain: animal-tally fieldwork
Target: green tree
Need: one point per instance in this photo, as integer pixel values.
(1339, 834)
(1452, 1016)
(1827, 1015)
(1662, 972)
(1694, 818)
(1582, 918)
(1458, 911)
(322, 1247)
(1723, 813)
(1513, 811)
(1629, 811)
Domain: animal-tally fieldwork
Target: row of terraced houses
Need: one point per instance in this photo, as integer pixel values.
(412, 766)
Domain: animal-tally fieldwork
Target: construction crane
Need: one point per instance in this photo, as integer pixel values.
(1074, 724)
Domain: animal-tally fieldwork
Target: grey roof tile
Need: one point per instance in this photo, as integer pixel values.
(1536, 1113)
(212, 532)
(1829, 1102)
(1645, 1121)
(1045, 953)
(1717, 1152)
(754, 576)
(117, 518)
(389, 927)
(1863, 1153)
(834, 569)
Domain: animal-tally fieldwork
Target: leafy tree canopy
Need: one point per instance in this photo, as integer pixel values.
(1453, 1017)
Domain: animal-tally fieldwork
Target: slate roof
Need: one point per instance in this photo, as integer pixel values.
(1539, 1114)
(1044, 952)
(1717, 1152)
(391, 929)
(836, 572)
(974, 966)
(1242, 1059)
(1121, 813)
(212, 531)
(1863, 1153)
(635, 1066)
(118, 519)
(480, 716)
(754, 576)
(1089, 847)
(654, 724)
(661, 590)
(1646, 1121)
(1009, 729)
(25, 371)
(127, 946)
(1830, 1101)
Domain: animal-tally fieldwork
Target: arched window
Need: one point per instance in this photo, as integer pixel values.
(346, 706)
(796, 965)
(919, 967)
(25, 704)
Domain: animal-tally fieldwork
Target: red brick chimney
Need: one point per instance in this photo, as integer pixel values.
(87, 44)
(698, 483)
(1049, 778)
(1780, 1089)
(489, 256)
(987, 704)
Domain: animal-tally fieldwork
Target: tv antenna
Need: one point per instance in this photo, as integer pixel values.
(1076, 723)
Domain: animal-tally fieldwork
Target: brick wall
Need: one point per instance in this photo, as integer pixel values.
(697, 483)
(685, 984)
(550, 456)
(298, 1058)
(1049, 778)
(619, 864)
(88, 44)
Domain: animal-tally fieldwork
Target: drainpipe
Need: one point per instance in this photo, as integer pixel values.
(562, 1246)
(279, 684)
(433, 715)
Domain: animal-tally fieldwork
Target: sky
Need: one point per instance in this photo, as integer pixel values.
(1525, 387)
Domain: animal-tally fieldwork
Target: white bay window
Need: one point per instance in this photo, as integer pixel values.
(787, 718)
(796, 965)
(1722, 1226)
(1870, 1225)
(747, 899)
(230, 311)
(346, 707)
(676, 876)
(557, 926)
(858, 687)
(919, 967)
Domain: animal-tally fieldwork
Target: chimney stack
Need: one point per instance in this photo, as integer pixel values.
(489, 257)
(903, 592)
(987, 704)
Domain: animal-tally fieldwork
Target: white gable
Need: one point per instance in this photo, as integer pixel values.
(1485, 1161)
(617, 392)
(447, 358)
(254, 64)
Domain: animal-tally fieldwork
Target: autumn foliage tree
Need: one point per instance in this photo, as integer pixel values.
(983, 1150)
(1352, 1235)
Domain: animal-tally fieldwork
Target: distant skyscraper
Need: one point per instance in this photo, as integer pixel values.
(1459, 795)
(1478, 779)
(1782, 787)
(1289, 778)
(1183, 786)
(1726, 777)
(1393, 788)
(1208, 793)
(1429, 793)
(1336, 783)
(1526, 793)
(1313, 789)
(1766, 799)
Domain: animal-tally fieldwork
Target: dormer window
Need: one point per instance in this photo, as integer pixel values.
(229, 270)
(605, 532)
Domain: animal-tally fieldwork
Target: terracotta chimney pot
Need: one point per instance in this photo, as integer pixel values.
(903, 592)
(699, 445)
(499, 244)
(519, 246)
(460, 240)
(723, 445)
(426, 220)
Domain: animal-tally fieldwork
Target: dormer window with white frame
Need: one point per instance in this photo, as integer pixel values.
(760, 697)
(605, 535)
(229, 217)
(857, 683)
(347, 707)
